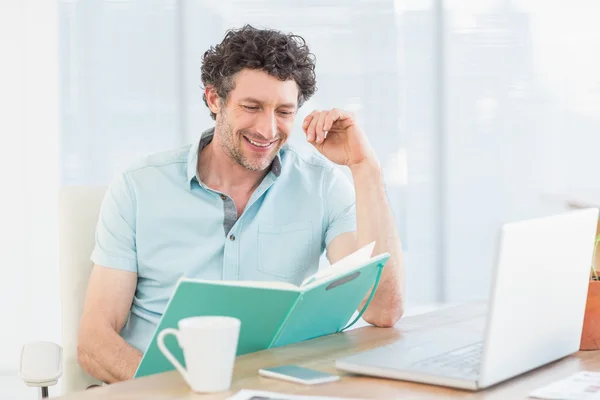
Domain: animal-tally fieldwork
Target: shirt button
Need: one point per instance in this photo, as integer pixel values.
(223, 197)
(231, 237)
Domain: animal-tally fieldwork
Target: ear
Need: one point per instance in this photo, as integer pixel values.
(212, 98)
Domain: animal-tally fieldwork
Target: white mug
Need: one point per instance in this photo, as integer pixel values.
(209, 346)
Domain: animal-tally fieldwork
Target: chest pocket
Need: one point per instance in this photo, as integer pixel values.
(285, 251)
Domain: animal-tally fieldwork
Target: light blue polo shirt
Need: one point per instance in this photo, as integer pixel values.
(159, 220)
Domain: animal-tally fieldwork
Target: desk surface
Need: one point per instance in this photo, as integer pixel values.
(321, 354)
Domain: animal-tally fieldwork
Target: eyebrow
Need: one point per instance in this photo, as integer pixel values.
(253, 100)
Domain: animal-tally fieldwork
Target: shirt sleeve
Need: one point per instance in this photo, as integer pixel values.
(115, 231)
(340, 205)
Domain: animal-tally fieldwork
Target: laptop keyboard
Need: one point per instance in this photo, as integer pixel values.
(464, 361)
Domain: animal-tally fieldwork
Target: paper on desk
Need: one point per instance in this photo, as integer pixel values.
(262, 395)
(584, 385)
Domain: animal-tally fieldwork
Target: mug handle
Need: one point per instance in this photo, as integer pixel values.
(160, 341)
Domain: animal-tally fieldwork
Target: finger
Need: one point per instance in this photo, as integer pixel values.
(311, 128)
(306, 122)
(320, 133)
(333, 116)
(342, 120)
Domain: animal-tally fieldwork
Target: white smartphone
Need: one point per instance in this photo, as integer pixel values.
(294, 373)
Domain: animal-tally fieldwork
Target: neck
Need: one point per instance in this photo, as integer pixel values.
(219, 171)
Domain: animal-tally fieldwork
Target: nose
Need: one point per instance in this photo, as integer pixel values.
(266, 125)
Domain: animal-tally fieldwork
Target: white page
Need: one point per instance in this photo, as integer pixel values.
(347, 263)
(584, 385)
(245, 394)
(256, 284)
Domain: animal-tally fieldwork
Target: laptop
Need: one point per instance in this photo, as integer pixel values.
(534, 315)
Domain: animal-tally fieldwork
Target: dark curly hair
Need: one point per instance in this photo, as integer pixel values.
(284, 56)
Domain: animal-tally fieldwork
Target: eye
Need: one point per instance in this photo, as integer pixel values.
(286, 113)
(250, 108)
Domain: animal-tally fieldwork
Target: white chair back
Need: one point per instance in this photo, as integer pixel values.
(78, 215)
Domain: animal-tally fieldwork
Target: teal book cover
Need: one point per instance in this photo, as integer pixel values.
(272, 314)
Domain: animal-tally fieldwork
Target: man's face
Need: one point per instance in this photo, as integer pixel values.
(257, 118)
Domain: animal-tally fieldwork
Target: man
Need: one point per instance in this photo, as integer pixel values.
(239, 204)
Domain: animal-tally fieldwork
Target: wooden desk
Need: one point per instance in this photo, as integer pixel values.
(321, 354)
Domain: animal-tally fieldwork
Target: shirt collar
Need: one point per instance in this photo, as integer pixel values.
(205, 139)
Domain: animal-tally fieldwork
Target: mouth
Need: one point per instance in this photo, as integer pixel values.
(259, 146)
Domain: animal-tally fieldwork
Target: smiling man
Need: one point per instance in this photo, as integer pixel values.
(239, 204)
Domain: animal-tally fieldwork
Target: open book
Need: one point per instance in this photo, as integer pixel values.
(272, 313)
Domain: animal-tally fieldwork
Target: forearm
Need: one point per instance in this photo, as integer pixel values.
(106, 356)
(93, 368)
(375, 222)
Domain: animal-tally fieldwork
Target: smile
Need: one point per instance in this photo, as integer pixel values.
(257, 144)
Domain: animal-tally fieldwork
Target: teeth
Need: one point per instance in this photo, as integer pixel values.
(258, 144)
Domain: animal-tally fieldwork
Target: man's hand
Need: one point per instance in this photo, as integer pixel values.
(337, 136)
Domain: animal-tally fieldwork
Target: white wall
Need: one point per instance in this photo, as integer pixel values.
(120, 85)
(29, 128)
